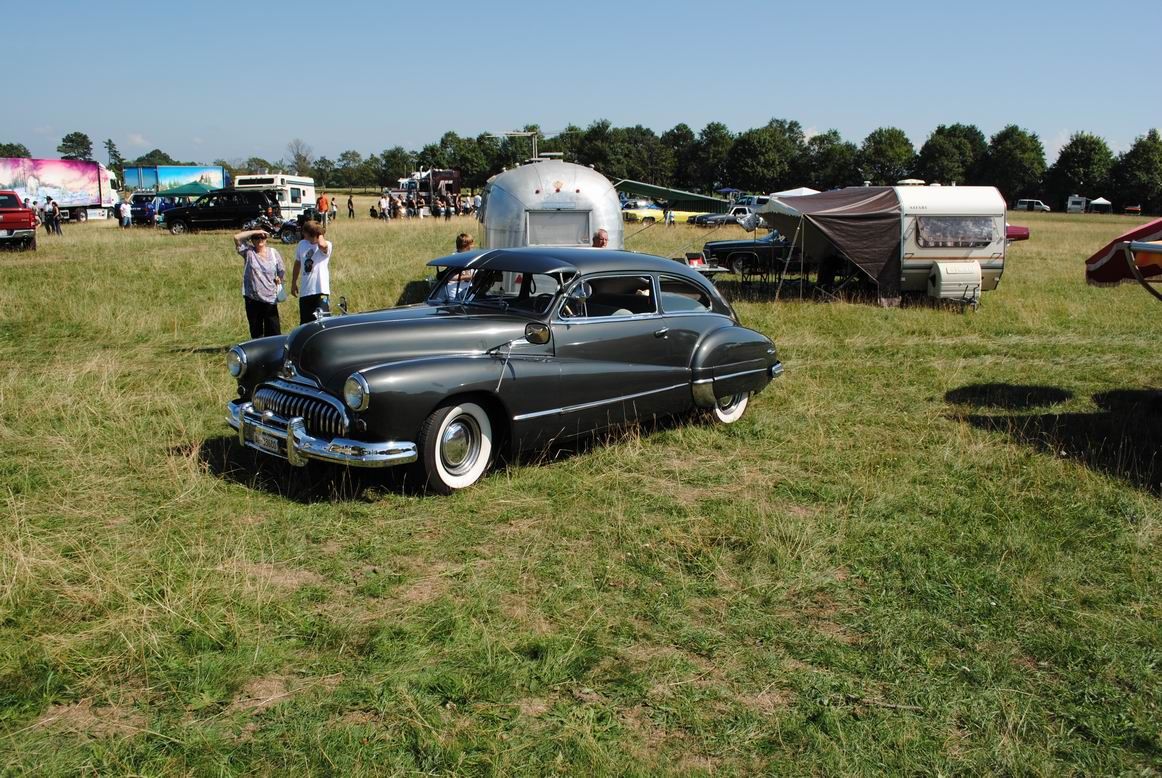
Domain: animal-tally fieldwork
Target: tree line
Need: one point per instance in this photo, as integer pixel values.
(779, 155)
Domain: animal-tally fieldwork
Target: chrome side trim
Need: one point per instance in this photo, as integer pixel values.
(730, 375)
(301, 447)
(596, 404)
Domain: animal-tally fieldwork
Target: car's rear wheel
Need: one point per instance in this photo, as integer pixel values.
(730, 409)
(30, 244)
(648, 220)
(178, 227)
(455, 446)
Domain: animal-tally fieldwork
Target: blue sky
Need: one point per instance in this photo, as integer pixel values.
(207, 80)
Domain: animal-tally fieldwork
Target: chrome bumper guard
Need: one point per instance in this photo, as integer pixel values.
(288, 438)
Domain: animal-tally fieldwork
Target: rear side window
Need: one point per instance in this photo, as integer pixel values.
(958, 232)
(9, 201)
(682, 296)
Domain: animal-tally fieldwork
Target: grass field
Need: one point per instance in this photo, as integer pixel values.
(930, 547)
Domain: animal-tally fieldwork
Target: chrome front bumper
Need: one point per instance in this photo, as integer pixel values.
(288, 438)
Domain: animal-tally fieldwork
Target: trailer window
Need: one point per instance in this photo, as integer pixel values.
(957, 232)
(558, 228)
(296, 195)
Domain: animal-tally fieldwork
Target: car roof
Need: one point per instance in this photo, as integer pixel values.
(561, 259)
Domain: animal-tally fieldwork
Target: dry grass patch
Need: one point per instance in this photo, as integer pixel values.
(82, 718)
(266, 575)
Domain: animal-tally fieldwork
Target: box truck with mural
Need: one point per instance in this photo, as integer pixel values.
(82, 189)
(164, 178)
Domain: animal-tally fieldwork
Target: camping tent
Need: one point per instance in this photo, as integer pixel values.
(861, 223)
(1109, 266)
(800, 191)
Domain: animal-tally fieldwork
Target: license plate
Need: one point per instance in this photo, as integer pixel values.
(265, 441)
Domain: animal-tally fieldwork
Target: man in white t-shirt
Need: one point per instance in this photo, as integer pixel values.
(384, 205)
(313, 267)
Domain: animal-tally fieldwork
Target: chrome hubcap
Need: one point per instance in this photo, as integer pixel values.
(459, 445)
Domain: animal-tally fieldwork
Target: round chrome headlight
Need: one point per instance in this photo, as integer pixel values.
(236, 361)
(355, 393)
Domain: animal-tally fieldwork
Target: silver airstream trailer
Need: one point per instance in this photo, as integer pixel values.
(549, 203)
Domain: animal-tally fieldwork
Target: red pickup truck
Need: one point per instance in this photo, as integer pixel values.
(17, 223)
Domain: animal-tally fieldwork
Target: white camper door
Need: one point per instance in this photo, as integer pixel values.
(558, 228)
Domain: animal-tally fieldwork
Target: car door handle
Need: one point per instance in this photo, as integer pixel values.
(663, 332)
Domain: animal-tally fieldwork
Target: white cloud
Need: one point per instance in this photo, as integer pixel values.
(198, 141)
(811, 132)
(137, 139)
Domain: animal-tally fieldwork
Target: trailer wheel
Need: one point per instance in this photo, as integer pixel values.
(79, 215)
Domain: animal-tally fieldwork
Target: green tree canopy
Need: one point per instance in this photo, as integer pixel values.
(887, 156)
(394, 164)
(15, 150)
(680, 140)
(831, 162)
(711, 151)
(1137, 174)
(1083, 167)
(767, 158)
(154, 157)
(1014, 163)
(75, 145)
(116, 161)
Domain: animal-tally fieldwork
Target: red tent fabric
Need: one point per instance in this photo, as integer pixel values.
(1108, 266)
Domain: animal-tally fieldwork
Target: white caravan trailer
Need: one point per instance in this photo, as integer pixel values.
(294, 192)
(549, 203)
(948, 241)
(951, 232)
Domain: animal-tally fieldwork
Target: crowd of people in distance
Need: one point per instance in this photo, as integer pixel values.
(47, 213)
(416, 206)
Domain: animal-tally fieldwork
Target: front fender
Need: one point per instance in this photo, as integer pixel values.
(731, 360)
(264, 357)
(403, 394)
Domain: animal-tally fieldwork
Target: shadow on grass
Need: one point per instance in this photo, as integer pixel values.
(1122, 440)
(317, 482)
(414, 292)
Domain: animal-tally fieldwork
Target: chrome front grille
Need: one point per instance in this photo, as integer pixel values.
(321, 417)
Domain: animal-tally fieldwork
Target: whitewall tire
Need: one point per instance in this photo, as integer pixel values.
(455, 446)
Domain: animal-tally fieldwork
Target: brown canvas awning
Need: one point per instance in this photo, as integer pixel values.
(862, 223)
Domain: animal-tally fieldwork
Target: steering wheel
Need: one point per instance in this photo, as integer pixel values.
(541, 302)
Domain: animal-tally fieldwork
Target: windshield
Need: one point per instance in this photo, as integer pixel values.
(9, 201)
(501, 289)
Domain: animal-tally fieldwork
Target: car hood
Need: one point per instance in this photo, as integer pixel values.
(332, 349)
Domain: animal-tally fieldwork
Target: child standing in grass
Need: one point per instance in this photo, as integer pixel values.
(313, 266)
(262, 276)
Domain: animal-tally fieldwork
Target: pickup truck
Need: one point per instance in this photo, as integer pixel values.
(17, 223)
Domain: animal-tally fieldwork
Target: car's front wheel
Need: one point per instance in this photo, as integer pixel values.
(178, 227)
(730, 409)
(455, 446)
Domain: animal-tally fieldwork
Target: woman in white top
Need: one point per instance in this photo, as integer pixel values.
(313, 267)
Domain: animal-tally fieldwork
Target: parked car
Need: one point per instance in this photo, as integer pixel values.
(734, 216)
(143, 207)
(1031, 205)
(17, 223)
(221, 209)
(539, 345)
(746, 256)
(651, 214)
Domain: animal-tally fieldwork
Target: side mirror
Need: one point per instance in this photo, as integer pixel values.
(581, 292)
(537, 333)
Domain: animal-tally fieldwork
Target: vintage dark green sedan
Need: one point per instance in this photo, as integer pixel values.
(514, 349)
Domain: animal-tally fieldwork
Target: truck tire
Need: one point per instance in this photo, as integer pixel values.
(79, 215)
(30, 244)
